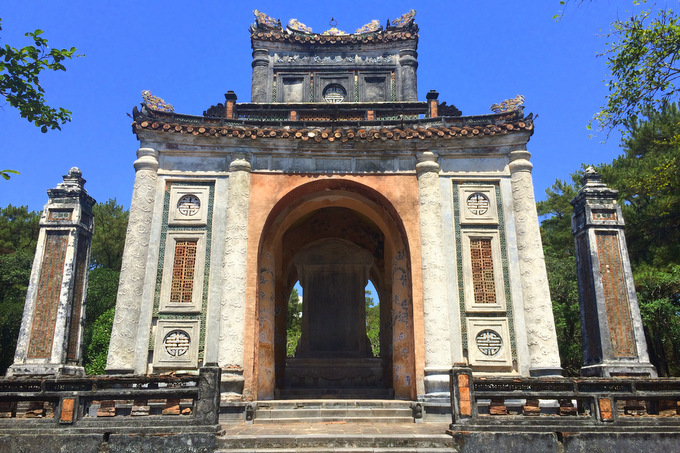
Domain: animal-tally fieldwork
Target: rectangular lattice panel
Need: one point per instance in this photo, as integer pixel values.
(183, 272)
(481, 260)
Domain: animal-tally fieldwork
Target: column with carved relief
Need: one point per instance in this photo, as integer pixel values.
(541, 336)
(232, 310)
(128, 302)
(436, 320)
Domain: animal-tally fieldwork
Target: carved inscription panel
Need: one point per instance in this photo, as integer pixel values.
(615, 295)
(47, 300)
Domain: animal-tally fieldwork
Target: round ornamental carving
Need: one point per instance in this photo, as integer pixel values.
(334, 93)
(189, 205)
(489, 342)
(176, 343)
(478, 203)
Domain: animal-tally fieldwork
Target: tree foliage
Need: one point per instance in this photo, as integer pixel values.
(18, 236)
(293, 323)
(560, 259)
(20, 70)
(98, 347)
(110, 227)
(642, 58)
(373, 323)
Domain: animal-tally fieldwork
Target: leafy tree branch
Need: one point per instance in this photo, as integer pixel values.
(20, 71)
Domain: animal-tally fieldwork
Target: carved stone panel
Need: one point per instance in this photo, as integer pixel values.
(177, 344)
(188, 205)
(477, 204)
(489, 343)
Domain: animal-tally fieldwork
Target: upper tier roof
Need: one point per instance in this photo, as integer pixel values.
(267, 28)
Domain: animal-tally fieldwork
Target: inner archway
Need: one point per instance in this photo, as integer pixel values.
(332, 241)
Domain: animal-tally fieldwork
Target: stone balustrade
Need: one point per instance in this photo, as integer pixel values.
(552, 404)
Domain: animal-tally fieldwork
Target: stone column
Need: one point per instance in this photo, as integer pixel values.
(260, 76)
(408, 60)
(540, 324)
(124, 332)
(232, 307)
(437, 330)
(51, 334)
(613, 337)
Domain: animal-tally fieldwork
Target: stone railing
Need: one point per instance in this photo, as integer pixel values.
(114, 404)
(557, 403)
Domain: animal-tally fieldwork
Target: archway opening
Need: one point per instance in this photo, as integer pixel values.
(335, 340)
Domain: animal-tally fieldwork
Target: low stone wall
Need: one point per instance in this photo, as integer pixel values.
(118, 412)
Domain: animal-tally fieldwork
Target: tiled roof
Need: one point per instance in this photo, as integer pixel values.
(281, 36)
(431, 128)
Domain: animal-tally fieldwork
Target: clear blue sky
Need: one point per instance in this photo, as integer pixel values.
(190, 53)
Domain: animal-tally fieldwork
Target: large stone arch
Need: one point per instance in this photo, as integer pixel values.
(351, 211)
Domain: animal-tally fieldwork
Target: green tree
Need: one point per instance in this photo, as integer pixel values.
(642, 58)
(98, 347)
(18, 236)
(110, 222)
(646, 176)
(20, 71)
(102, 288)
(558, 246)
(373, 323)
(293, 322)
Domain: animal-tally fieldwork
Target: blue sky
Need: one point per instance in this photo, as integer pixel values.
(190, 53)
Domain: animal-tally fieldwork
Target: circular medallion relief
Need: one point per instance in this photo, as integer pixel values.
(334, 93)
(489, 342)
(478, 203)
(189, 205)
(176, 343)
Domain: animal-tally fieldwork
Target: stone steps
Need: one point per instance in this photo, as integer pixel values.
(337, 442)
(314, 411)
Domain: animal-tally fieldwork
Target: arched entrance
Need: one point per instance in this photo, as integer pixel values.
(333, 236)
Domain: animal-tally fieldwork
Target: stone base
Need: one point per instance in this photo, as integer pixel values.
(333, 373)
(45, 370)
(619, 370)
(231, 384)
(437, 383)
(543, 372)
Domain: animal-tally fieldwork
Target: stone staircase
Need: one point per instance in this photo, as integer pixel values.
(334, 425)
(327, 410)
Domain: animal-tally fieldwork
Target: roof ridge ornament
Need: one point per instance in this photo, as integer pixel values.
(333, 31)
(296, 25)
(509, 105)
(156, 103)
(263, 21)
(404, 21)
(371, 27)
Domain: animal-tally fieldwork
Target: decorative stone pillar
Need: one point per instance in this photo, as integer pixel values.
(260, 75)
(232, 307)
(437, 333)
(613, 337)
(51, 335)
(125, 328)
(540, 324)
(408, 60)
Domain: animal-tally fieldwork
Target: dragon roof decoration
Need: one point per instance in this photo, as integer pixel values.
(267, 26)
(508, 105)
(263, 21)
(296, 25)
